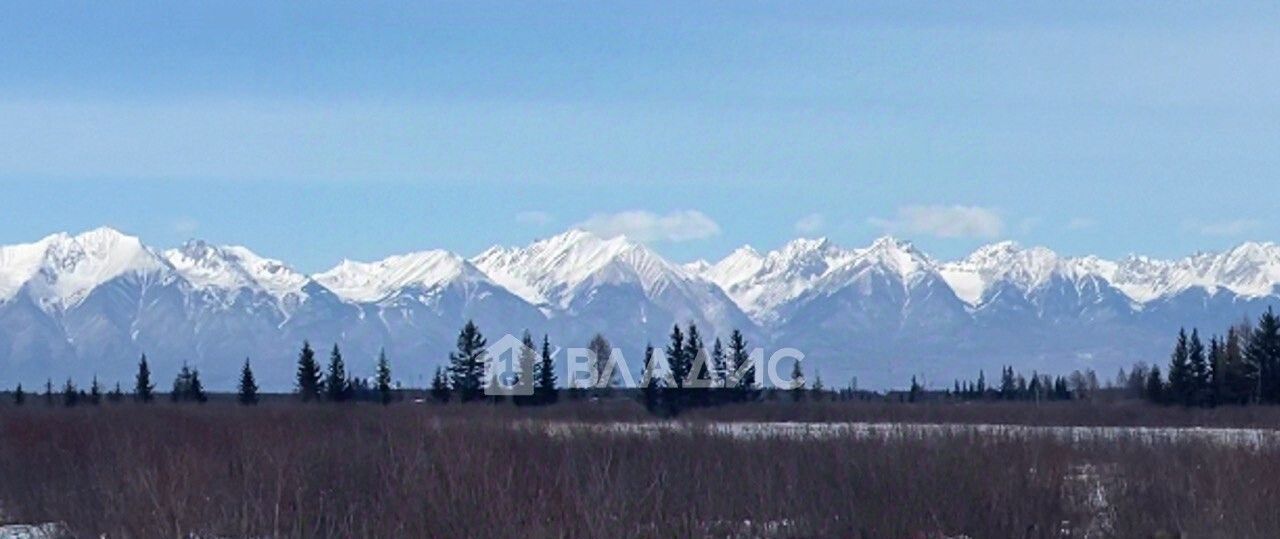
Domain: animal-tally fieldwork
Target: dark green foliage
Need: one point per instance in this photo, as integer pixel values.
(677, 363)
(545, 388)
(336, 387)
(382, 378)
(247, 391)
(743, 379)
(308, 378)
(70, 397)
(467, 364)
(1263, 350)
(95, 392)
(187, 386)
(19, 396)
(143, 389)
(440, 386)
(797, 382)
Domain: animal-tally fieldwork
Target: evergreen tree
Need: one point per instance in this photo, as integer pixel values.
(1008, 386)
(440, 386)
(651, 382)
(1181, 380)
(335, 382)
(70, 396)
(1241, 372)
(48, 392)
(744, 380)
(819, 391)
(1198, 364)
(676, 361)
(181, 385)
(467, 364)
(1155, 390)
(195, 388)
(247, 393)
(382, 378)
(116, 395)
(19, 396)
(308, 379)
(95, 392)
(526, 376)
(797, 382)
(143, 389)
(719, 364)
(1217, 372)
(916, 390)
(1263, 350)
(545, 390)
(696, 355)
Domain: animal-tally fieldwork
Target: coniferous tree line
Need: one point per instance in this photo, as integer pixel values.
(1239, 367)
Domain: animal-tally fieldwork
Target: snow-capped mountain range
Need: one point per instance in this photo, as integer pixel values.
(76, 306)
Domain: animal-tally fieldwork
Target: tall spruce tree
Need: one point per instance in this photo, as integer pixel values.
(195, 388)
(719, 364)
(95, 392)
(247, 392)
(467, 364)
(70, 397)
(1181, 380)
(526, 375)
(745, 379)
(699, 364)
(677, 363)
(1155, 388)
(797, 382)
(1263, 350)
(335, 381)
(308, 376)
(19, 396)
(545, 389)
(181, 385)
(1198, 363)
(143, 389)
(48, 391)
(382, 378)
(1241, 373)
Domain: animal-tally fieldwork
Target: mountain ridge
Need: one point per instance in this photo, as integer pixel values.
(102, 297)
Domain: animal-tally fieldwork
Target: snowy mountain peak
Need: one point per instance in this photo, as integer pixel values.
(897, 255)
(232, 268)
(376, 281)
(60, 270)
(552, 270)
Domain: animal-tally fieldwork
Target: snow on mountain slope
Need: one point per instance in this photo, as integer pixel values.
(759, 284)
(553, 271)
(367, 282)
(60, 270)
(232, 268)
(1025, 270)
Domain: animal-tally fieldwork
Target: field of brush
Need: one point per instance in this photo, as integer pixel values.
(607, 469)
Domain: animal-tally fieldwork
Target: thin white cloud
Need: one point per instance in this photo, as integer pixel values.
(1081, 223)
(646, 226)
(534, 217)
(184, 226)
(943, 221)
(1236, 227)
(810, 224)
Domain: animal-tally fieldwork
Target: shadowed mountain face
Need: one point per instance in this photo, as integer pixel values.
(76, 306)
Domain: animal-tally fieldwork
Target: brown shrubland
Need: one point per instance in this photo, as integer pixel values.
(414, 470)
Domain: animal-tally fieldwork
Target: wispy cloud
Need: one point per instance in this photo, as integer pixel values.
(810, 224)
(647, 226)
(535, 218)
(1081, 223)
(1235, 227)
(943, 221)
(184, 226)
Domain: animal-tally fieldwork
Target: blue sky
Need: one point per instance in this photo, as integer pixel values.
(313, 132)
